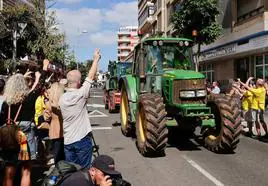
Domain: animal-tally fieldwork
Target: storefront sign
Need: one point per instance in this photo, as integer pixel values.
(219, 52)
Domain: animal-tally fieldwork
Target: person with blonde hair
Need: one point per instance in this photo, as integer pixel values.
(20, 103)
(56, 127)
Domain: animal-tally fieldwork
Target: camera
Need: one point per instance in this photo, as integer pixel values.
(120, 182)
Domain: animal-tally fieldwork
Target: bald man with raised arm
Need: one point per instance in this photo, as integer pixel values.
(76, 124)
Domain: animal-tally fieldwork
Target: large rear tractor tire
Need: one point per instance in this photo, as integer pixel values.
(225, 137)
(126, 127)
(151, 129)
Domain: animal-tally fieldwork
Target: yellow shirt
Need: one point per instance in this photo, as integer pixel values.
(39, 108)
(258, 101)
(247, 100)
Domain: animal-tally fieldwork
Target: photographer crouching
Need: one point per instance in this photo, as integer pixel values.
(102, 173)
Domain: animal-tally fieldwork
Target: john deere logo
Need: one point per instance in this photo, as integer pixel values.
(195, 82)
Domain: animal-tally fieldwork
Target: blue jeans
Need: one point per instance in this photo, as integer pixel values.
(79, 152)
(28, 128)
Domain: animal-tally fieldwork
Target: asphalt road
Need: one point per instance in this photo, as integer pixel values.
(187, 163)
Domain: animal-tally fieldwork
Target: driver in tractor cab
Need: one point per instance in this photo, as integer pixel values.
(180, 61)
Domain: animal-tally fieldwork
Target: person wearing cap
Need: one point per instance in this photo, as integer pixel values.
(257, 105)
(100, 173)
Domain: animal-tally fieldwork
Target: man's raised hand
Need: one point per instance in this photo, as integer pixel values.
(97, 55)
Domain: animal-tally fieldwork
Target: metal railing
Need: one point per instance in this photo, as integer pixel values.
(250, 14)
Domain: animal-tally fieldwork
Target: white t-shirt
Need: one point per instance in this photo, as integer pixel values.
(216, 90)
(73, 105)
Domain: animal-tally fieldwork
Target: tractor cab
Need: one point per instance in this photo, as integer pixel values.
(123, 68)
(168, 55)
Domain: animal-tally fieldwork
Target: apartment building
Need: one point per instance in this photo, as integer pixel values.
(127, 39)
(242, 49)
(155, 16)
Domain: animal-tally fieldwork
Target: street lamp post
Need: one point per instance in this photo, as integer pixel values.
(83, 32)
(16, 26)
(14, 52)
(1, 5)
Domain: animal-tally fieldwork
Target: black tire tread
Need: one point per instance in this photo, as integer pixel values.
(157, 133)
(231, 123)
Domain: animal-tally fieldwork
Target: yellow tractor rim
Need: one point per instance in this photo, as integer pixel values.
(124, 110)
(212, 137)
(142, 124)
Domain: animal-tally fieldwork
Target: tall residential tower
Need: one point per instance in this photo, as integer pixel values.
(127, 39)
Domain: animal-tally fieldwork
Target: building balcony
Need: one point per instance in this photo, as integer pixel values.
(125, 54)
(124, 47)
(146, 17)
(124, 40)
(247, 16)
(123, 33)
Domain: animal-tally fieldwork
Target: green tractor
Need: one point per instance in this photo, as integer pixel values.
(112, 95)
(164, 92)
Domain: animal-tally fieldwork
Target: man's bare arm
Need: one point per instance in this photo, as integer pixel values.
(93, 70)
(244, 85)
(248, 81)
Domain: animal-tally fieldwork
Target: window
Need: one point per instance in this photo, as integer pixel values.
(261, 66)
(207, 70)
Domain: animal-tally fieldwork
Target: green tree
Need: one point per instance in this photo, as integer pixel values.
(50, 41)
(10, 17)
(200, 16)
(70, 61)
(84, 67)
(41, 36)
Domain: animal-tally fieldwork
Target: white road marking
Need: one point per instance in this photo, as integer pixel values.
(203, 171)
(96, 114)
(96, 96)
(96, 105)
(102, 128)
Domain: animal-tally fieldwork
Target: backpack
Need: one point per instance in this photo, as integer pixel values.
(61, 171)
(9, 133)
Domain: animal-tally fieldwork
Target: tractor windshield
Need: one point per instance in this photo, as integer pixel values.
(123, 68)
(169, 56)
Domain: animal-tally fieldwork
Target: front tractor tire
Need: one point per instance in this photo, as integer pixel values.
(126, 127)
(151, 129)
(225, 137)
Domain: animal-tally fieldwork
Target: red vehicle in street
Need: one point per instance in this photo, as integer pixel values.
(112, 95)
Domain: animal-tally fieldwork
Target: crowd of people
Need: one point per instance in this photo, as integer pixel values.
(252, 99)
(36, 108)
(253, 95)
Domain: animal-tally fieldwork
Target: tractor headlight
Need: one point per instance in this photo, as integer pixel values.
(201, 93)
(187, 94)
